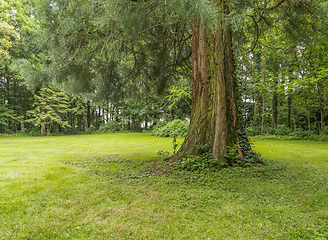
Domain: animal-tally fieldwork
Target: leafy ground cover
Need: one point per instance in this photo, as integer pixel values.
(108, 186)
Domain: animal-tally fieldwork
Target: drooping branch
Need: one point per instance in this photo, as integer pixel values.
(268, 9)
(312, 13)
(275, 6)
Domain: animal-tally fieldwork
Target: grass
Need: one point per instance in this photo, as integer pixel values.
(97, 187)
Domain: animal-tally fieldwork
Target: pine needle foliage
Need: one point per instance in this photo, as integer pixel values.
(114, 47)
(123, 46)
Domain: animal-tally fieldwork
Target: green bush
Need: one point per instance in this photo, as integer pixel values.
(299, 134)
(176, 128)
(91, 129)
(323, 138)
(145, 130)
(325, 130)
(110, 127)
(282, 130)
(314, 137)
(268, 130)
(253, 130)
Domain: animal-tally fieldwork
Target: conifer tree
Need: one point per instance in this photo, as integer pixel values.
(50, 107)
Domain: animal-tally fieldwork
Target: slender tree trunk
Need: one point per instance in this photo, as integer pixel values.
(85, 118)
(146, 122)
(214, 116)
(257, 71)
(85, 122)
(107, 111)
(9, 101)
(263, 96)
(256, 110)
(294, 119)
(321, 110)
(264, 112)
(289, 110)
(307, 112)
(275, 105)
(88, 122)
(112, 112)
(73, 122)
(21, 115)
(129, 123)
(48, 129)
(43, 125)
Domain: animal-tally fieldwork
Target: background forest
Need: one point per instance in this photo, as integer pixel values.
(59, 74)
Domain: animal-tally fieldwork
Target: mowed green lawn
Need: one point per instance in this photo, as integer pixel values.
(98, 187)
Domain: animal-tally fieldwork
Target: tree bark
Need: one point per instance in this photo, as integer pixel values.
(214, 116)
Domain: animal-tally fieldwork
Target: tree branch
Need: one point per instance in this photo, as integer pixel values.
(275, 6)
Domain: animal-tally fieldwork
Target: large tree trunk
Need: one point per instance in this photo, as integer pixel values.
(214, 116)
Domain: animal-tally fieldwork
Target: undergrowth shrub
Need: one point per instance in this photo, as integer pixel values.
(282, 130)
(176, 128)
(206, 162)
(323, 138)
(299, 134)
(162, 154)
(316, 137)
(234, 160)
(253, 130)
(325, 130)
(91, 129)
(198, 163)
(110, 127)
